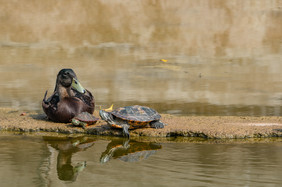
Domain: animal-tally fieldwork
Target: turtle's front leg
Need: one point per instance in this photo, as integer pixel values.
(125, 131)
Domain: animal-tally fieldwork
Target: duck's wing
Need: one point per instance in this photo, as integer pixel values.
(51, 101)
(86, 97)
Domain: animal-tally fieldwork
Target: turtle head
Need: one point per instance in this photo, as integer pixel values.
(107, 116)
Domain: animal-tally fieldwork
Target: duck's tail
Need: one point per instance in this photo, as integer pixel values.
(44, 99)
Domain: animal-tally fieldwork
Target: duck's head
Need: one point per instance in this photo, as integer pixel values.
(67, 78)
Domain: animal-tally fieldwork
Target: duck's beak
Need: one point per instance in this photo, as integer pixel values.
(77, 86)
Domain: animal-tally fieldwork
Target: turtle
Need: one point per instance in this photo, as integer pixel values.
(132, 117)
(129, 150)
(84, 119)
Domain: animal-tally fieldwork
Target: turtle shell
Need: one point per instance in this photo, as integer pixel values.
(136, 113)
(87, 118)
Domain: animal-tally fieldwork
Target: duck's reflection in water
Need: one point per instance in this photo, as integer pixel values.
(129, 150)
(66, 147)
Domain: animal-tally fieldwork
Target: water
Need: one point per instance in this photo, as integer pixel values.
(223, 58)
(48, 160)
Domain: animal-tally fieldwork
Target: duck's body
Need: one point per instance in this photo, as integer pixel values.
(68, 100)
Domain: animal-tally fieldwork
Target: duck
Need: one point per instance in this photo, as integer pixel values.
(68, 99)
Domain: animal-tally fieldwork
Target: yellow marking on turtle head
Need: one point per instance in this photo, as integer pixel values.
(109, 109)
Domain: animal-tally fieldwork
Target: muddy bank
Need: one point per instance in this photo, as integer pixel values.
(186, 126)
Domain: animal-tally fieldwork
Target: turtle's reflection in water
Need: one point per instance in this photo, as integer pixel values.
(66, 147)
(129, 150)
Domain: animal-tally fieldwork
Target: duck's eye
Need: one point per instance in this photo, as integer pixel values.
(66, 73)
(64, 76)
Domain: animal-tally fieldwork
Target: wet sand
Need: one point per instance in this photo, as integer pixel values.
(211, 127)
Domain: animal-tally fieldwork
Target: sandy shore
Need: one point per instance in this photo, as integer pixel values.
(186, 126)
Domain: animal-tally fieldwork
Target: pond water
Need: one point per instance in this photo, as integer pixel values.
(27, 160)
(189, 57)
(223, 57)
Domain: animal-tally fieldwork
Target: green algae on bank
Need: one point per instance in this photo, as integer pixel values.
(186, 126)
